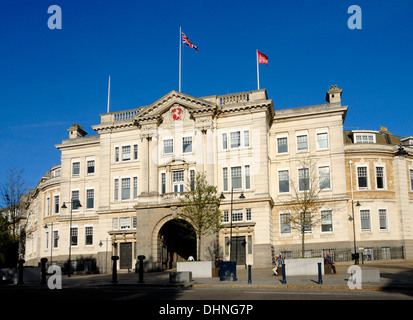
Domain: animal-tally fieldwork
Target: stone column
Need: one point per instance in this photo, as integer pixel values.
(153, 166)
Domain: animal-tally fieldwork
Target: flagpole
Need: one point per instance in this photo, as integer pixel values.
(108, 95)
(180, 56)
(258, 71)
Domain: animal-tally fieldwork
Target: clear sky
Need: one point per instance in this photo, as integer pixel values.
(50, 79)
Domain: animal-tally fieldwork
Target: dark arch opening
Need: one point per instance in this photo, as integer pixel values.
(178, 242)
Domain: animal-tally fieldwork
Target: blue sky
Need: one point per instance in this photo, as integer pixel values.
(50, 79)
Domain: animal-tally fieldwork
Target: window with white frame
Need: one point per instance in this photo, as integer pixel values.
(90, 166)
(168, 146)
(75, 168)
(362, 177)
(89, 236)
(178, 180)
(326, 221)
(135, 152)
(282, 145)
(383, 219)
(302, 142)
(236, 178)
(226, 216)
(56, 204)
(248, 215)
(163, 182)
(411, 179)
(247, 177)
(324, 177)
(322, 140)
(126, 153)
(224, 141)
(365, 220)
(75, 199)
(55, 239)
(283, 181)
(379, 177)
(306, 222)
(237, 215)
(187, 144)
(135, 187)
(125, 188)
(124, 223)
(47, 208)
(303, 179)
(225, 178)
(115, 224)
(364, 138)
(285, 223)
(116, 154)
(116, 190)
(246, 138)
(73, 236)
(90, 198)
(235, 139)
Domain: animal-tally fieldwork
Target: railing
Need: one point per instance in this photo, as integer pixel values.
(125, 115)
(234, 98)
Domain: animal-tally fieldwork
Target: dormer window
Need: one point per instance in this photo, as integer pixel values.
(364, 138)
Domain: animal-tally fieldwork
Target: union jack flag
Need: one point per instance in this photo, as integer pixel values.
(189, 43)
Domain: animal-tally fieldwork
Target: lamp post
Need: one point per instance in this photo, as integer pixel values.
(51, 242)
(230, 235)
(356, 259)
(78, 205)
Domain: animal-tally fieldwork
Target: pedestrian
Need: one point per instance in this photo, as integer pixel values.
(329, 261)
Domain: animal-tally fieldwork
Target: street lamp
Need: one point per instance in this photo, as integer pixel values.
(230, 236)
(356, 255)
(78, 205)
(51, 242)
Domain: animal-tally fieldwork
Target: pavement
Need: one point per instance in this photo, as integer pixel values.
(394, 275)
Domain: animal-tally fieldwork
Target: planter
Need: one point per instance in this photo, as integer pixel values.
(199, 269)
(304, 266)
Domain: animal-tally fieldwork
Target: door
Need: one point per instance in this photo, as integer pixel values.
(238, 250)
(125, 255)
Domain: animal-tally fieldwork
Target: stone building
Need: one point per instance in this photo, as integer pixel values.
(117, 192)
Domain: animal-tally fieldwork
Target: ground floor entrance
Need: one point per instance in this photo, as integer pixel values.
(238, 254)
(125, 255)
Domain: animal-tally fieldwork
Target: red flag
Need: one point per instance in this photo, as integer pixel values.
(262, 58)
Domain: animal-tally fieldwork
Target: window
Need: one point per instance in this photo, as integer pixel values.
(303, 179)
(226, 216)
(324, 177)
(116, 190)
(283, 181)
(116, 154)
(163, 182)
(364, 138)
(247, 177)
(90, 197)
(134, 222)
(125, 153)
(306, 221)
(90, 166)
(135, 152)
(285, 223)
(47, 209)
(383, 219)
(125, 188)
(75, 199)
(46, 237)
(55, 239)
(302, 144)
(282, 145)
(248, 215)
(246, 138)
(224, 141)
(124, 223)
(135, 187)
(115, 225)
(178, 180)
(326, 221)
(379, 177)
(236, 179)
(88, 236)
(237, 215)
(322, 140)
(56, 204)
(73, 236)
(75, 168)
(168, 146)
(235, 138)
(192, 179)
(187, 144)
(225, 178)
(362, 177)
(365, 220)
(411, 179)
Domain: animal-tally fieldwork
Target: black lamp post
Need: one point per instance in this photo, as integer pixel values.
(78, 205)
(230, 236)
(356, 255)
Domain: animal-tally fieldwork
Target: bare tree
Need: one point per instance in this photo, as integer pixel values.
(11, 192)
(305, 203)
(200, 207)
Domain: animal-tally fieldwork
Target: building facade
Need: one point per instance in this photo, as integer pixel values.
(117, 192)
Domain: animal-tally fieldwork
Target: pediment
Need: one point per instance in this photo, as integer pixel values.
(173, 100)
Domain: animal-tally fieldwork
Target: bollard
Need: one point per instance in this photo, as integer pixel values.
(43, 270)
(141, 258)
(21, 261)
(249, 274)
(320, 277)
(283, 281)
(114, 269)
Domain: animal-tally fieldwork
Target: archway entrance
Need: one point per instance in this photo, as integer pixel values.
(178, 242)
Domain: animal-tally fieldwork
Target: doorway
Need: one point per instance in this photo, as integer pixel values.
(178, 242)
(125, 259)
(238, 250)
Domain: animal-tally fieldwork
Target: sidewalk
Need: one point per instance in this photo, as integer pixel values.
(394, 275)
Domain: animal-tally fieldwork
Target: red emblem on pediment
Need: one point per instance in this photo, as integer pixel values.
(176, 113)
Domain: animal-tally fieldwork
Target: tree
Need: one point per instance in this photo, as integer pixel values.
(11, 192)
(305, 202)
(200, 207)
